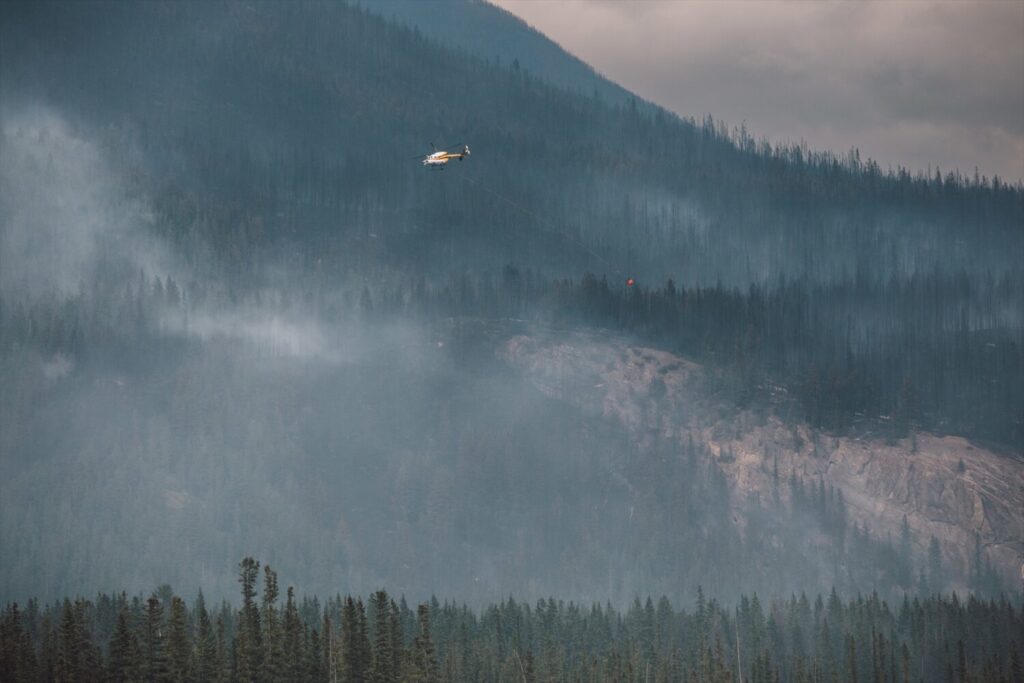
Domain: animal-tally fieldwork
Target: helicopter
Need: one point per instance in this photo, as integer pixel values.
(439, 158)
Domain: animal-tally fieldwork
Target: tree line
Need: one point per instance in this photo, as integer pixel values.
(161, 638)
(934, 352)
(866, 292)
(298, 143)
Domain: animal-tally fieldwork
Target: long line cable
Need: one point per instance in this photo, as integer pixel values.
(543, 223)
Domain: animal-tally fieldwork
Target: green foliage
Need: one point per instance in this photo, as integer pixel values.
(248, 654)
(422, 664)
(179, 643)
(152, 640)
(280, 142)
(859, 639)
(385, 650)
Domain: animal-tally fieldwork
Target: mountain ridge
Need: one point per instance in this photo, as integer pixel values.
(495, 34)
(237, 316)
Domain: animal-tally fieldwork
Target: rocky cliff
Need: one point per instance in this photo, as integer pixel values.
(944, 486)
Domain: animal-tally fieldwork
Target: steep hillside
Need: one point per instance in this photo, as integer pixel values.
(968, 498)
(492, 34)
(238, 317)
(275, 145)
(300, 122)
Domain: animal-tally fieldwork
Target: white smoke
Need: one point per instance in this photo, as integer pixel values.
(63, 208)
(68, 210)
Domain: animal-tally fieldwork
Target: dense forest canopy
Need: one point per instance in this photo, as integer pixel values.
(273, 637)
(237, 316)
(314, 146)
(493, 34)
(302, 167)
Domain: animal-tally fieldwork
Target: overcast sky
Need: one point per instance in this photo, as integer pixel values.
(916, 83)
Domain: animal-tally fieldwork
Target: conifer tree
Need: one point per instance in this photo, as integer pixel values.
(204, 663)
(315, 669)
(851, 659)
(330, 651)
(355, 646)
(179, 644)
(225, 657)
(293, 655)
(905, 573)
(9, 626)
(48, 650)
(17, 656)
(529, 675)
(271, 624)
(936, 575)
(154, 663)
(121, 664)
(935, 639)
(363, 646)
(397, 639)
(247, 642)
(424, 667)
(67, 664)
(383, 657)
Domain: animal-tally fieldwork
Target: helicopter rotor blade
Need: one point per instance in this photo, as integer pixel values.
(434, 148)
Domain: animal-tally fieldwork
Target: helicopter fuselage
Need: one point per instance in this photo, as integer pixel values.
(440, 159)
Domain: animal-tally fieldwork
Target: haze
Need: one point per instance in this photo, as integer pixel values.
(245, 301)
(913, 84)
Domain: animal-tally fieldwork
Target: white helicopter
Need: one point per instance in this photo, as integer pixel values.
(440, 158)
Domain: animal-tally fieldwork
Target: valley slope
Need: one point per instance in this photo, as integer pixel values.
(942, 487)
(239, 318)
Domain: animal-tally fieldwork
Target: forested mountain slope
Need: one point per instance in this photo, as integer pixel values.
(277, 144)
(923, 490)
(238, 317)
(493, 34)
(304, 119)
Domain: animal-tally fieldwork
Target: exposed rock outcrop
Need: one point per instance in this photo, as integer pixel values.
(944, 486)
